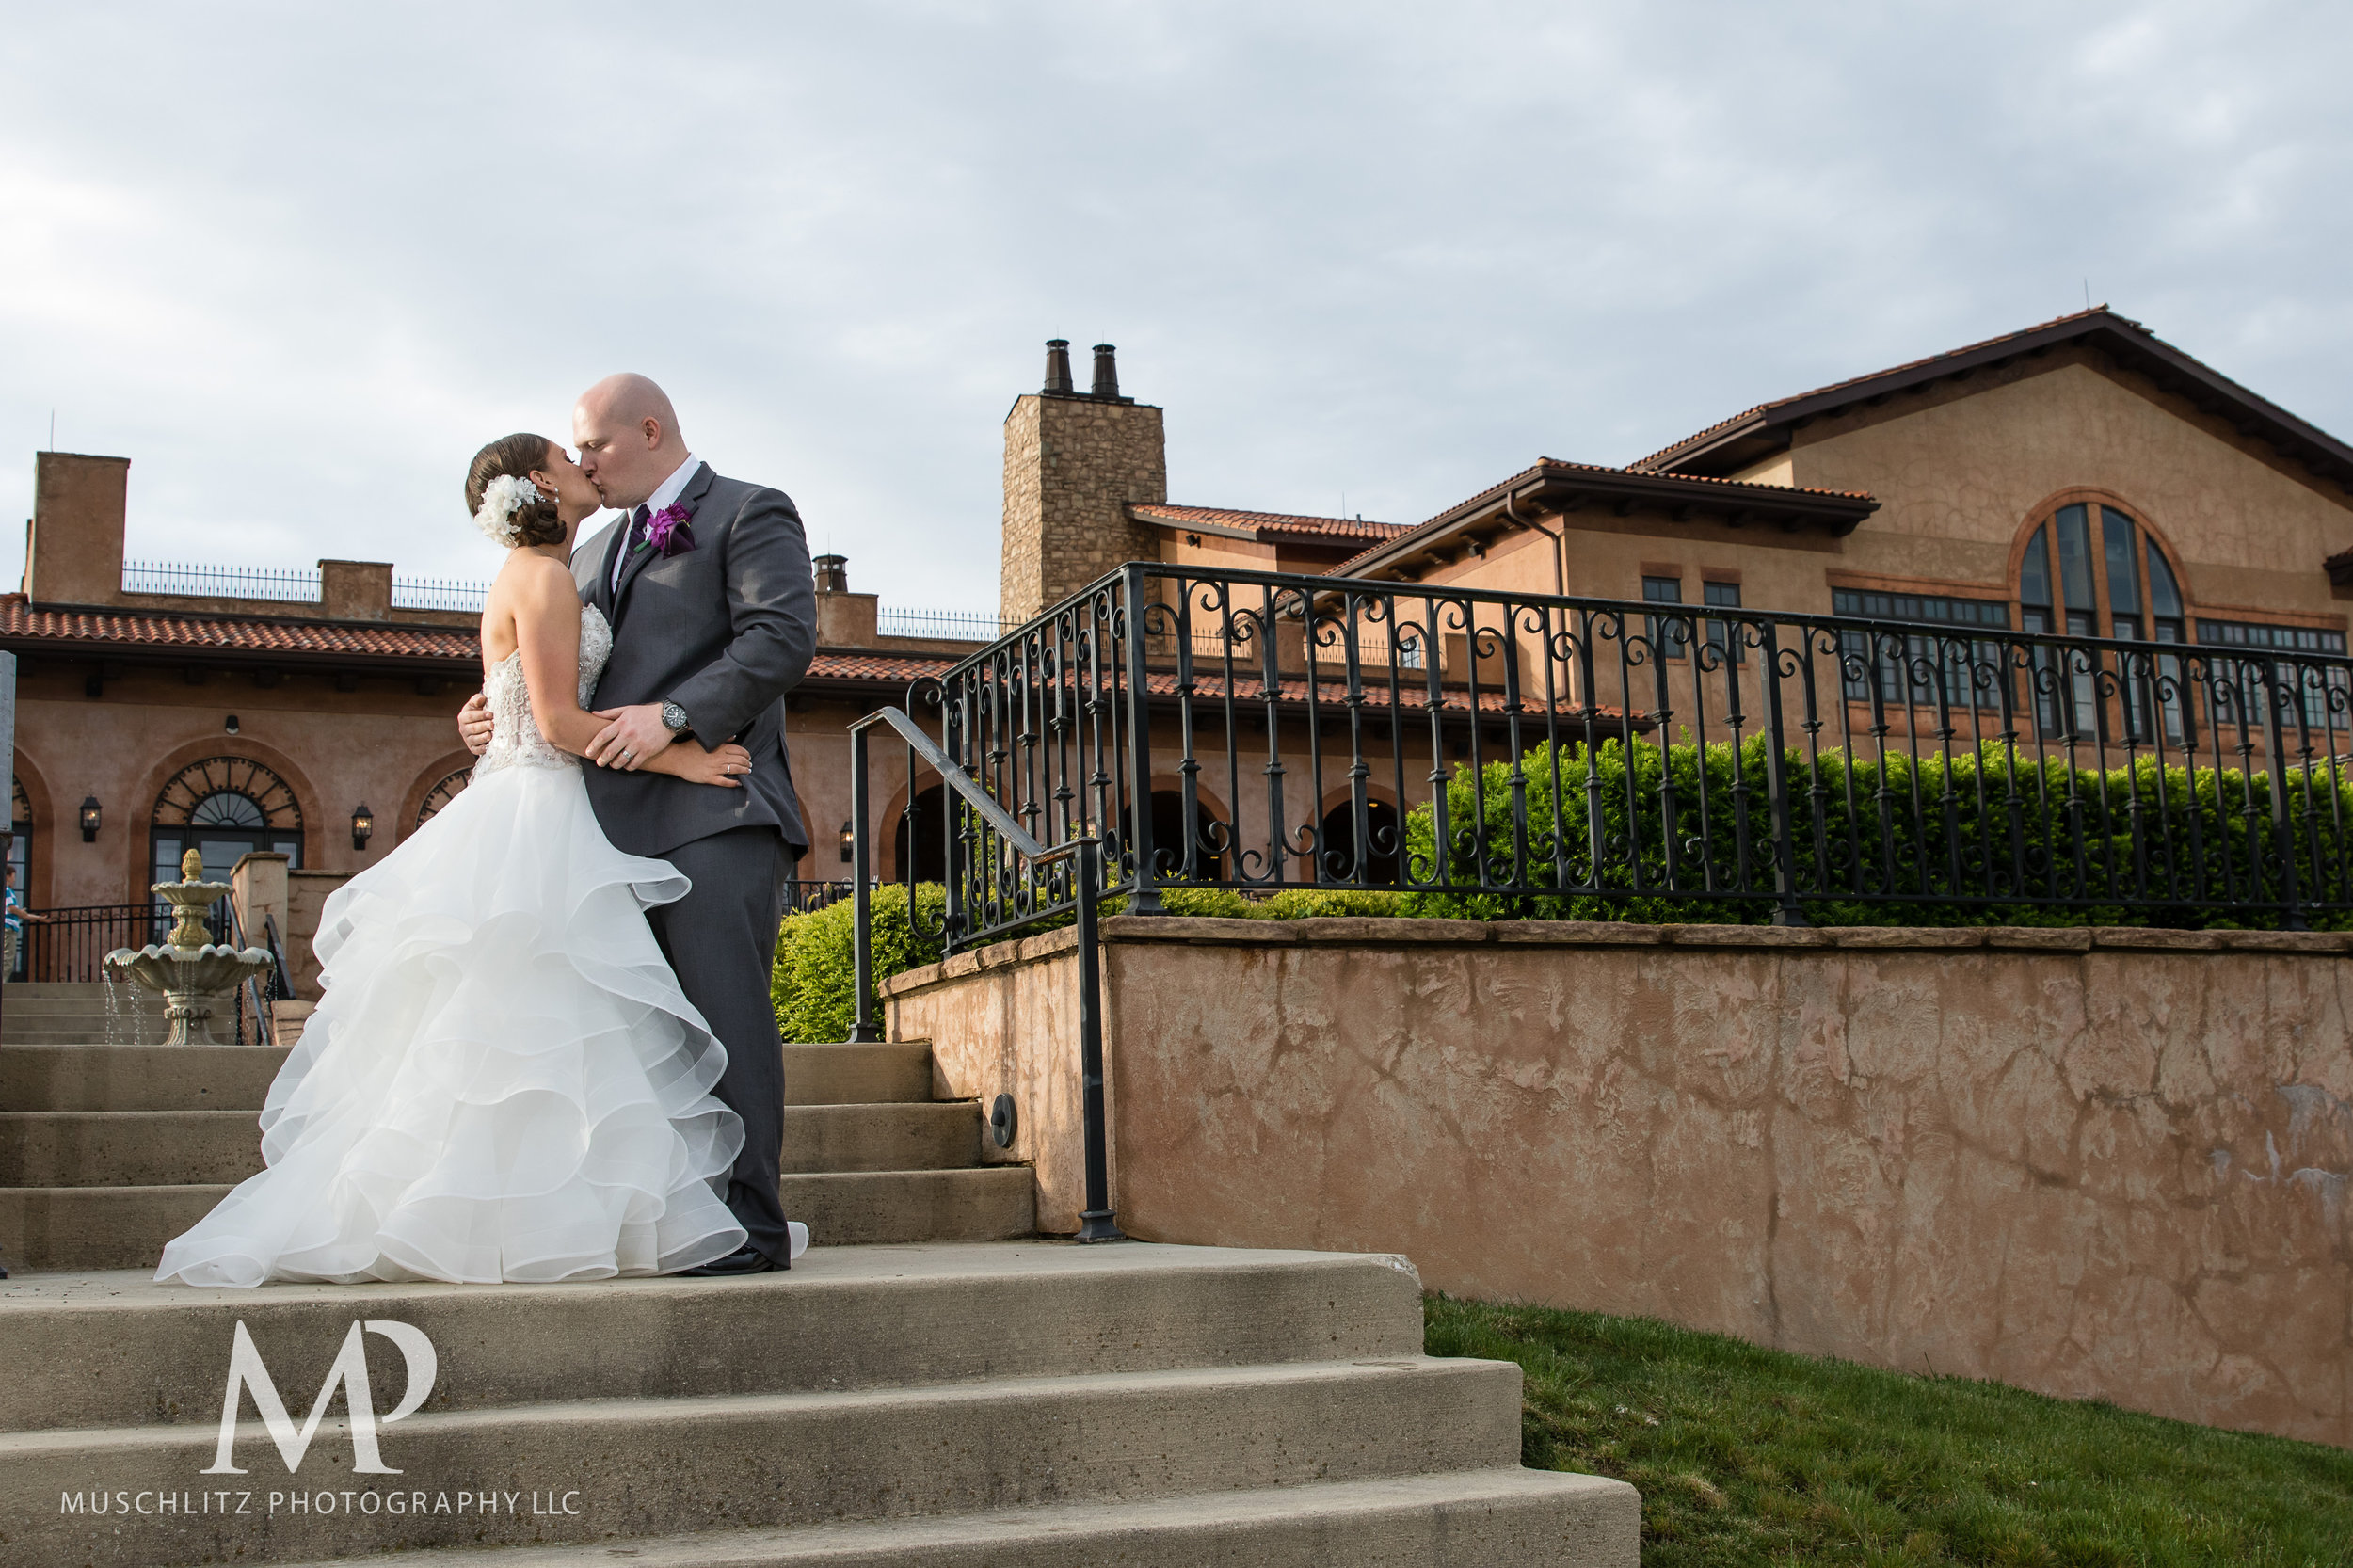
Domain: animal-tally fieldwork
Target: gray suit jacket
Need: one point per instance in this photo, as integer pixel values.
(724, 631)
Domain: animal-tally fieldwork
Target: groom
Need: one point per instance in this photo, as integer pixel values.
(706, 581)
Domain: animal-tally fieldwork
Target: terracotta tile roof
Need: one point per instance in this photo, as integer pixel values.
(170, 631)
(1227, 518)
(1626, 484)
(836, 664)
(1731, 441)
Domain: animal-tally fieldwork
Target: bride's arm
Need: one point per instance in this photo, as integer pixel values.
(547, 629)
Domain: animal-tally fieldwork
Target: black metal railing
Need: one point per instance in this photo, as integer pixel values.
(1533, 753)
(1063, 879)
(70, 944)
(806, 897)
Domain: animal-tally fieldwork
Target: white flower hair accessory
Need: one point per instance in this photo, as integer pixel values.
(501, 498)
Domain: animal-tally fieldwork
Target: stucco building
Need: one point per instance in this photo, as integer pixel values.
(2081, 476)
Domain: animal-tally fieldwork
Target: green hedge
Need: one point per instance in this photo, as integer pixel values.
(813, 982)
(1921, 795)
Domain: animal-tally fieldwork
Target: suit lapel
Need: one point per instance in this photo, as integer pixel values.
(601, 590)
(690, 498)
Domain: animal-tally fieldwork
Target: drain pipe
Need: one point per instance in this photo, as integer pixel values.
(1560, 541)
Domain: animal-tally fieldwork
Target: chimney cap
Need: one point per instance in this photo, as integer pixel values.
(1058, 367)
(832, 574)
(1106, 373)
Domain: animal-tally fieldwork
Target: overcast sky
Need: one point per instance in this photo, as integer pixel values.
(297, 263)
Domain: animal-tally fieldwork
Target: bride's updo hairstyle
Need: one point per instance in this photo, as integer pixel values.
(512, 457)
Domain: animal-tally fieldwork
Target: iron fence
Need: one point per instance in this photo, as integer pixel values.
(292, 584)
(956, 625)
(433, 593)
(806, 898)
(70, 944)
(1534, 753)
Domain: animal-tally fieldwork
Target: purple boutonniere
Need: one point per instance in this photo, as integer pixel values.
(668, 532)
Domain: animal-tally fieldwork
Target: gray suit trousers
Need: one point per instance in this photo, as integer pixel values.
(721, 941)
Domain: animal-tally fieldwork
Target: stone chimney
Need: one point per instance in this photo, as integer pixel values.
(1073, 464)
(844, 620)
(356, 590)
(74, 553)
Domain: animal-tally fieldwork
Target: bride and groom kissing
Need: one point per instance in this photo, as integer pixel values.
(546, 1050)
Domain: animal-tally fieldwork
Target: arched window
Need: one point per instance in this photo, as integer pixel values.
(225, 808)
(442, 793)
(2093, 570)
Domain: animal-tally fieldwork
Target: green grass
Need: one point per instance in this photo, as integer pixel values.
(1752, 1456)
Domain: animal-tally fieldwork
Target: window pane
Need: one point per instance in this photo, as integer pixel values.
(1720, 633)
(1667, 636)
(2034, 573)
(2116, 533)
(2075, 550)
(2165, 598)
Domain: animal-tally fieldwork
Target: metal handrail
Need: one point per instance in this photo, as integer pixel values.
(1097, 1223)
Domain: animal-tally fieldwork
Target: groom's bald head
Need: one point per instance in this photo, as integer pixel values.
(628, 436)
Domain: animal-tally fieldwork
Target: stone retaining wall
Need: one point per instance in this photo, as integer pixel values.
(2106, 1163)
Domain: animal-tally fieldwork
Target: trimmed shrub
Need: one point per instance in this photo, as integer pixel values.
(1937, 830)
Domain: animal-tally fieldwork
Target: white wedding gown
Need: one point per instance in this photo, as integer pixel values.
(504, 1080)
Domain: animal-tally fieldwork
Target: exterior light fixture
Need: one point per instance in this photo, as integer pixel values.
(89, 819)
(362, 825)
(231, 728)
(848, 839)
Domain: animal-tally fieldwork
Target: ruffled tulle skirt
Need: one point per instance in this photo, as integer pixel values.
(504, 1080)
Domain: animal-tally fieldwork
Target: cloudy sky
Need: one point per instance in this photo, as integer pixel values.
(298, 261)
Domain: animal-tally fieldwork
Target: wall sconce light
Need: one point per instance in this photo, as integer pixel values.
(362, 825)
(89, 819)
(848, 839)
(231, 728)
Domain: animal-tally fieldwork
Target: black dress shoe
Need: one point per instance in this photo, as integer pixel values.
(744, 1260)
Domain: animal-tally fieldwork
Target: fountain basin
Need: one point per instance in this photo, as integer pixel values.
(191, 980)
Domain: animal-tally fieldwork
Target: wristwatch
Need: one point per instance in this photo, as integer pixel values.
(673, 718)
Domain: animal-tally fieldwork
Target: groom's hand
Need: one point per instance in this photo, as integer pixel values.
(631, 737)
(475, 725)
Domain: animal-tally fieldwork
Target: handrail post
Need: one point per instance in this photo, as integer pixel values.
(1097, 1223)
(863, 1030)
(1136, 832)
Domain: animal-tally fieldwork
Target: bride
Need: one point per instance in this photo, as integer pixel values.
(504, 1080)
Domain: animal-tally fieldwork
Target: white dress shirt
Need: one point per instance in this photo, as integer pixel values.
(664, 493)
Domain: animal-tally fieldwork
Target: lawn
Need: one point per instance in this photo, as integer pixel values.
(1751, 1456)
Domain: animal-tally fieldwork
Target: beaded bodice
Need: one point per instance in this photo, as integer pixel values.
(517, 741)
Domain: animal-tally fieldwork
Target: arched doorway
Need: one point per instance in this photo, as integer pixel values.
(21, 836)
(920, 833)
(1373, 864)
(1168, 839)
(225, 807)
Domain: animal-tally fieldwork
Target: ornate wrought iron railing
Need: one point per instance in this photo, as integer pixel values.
(1528, 753)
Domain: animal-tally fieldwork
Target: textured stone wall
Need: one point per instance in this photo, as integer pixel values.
(2105, 1163)
(1072, 465)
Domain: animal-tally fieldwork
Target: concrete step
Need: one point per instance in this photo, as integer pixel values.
(858, 1075)
(97, 1227)
(939, 1136)
(849, 1208)
(127, 1148)
(125, 1227)
(1456, 1519)
(664, 1466)
(117, 1349)
(87, 1077)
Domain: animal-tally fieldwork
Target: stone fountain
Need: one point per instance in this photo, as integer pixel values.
(186, 967)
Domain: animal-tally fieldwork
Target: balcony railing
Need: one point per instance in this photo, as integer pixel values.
(957, 625)
(289, 585)
(1539, 755)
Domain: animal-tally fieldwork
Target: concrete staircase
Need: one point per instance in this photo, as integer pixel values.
(925, 1395)
(107, 1150)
